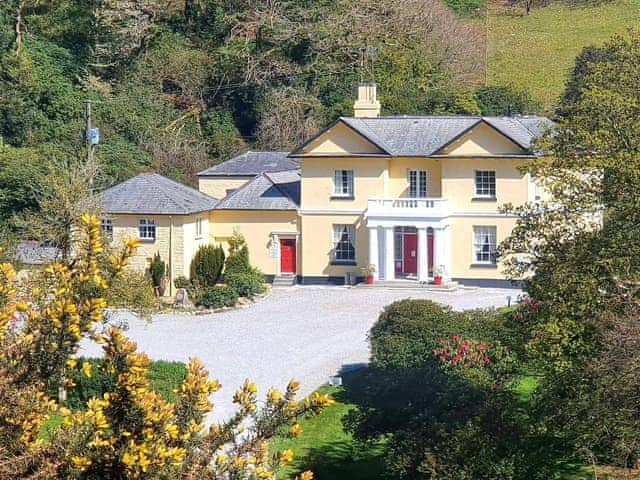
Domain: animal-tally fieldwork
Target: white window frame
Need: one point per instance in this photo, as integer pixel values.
(106, 225)
(338, 233)
(147, 229)
(484, 184)
(198, 228)
(343, 183)
(484, 245)
(418, 183)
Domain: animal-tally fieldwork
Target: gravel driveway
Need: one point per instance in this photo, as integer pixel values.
(308, 333)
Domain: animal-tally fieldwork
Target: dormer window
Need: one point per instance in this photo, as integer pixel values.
(343, 183)
(485, 184)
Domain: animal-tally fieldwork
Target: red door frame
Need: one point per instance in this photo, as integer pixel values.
(410, 254)
(288, 263)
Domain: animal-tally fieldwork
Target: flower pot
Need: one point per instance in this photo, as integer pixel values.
(437, 280)
(369, 279)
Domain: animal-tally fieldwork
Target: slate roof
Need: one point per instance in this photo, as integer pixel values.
(268, 191)
(252, 164)
(422, 136)
(154, 194)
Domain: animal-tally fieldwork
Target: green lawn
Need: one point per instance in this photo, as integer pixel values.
(330, 452)
(536, 52)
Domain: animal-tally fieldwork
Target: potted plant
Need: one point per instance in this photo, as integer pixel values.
(368, 273)
(437, 277)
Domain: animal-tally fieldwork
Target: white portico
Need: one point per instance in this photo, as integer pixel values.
(409, 238)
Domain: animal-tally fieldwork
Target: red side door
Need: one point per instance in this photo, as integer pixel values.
(287, 255)
(410, 254)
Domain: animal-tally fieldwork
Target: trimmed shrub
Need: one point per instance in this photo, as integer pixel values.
(206, 266)
(158, 269)
(131, 289)
(246, 284)
(238, 259)
(217, 297)
(163, 376)
(182, 282)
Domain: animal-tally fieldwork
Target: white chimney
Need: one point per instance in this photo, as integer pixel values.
(367, 104)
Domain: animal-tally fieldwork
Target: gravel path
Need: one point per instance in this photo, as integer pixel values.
(308, 333)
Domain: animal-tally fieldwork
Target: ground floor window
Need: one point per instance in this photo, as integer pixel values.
(484, 245)
(147, 229)
(198, 228)
(107, 228)
(344, 244)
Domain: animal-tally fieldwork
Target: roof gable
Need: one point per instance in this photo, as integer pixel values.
(482, 140)
(268, 191)
(150, 193)
(340, 139)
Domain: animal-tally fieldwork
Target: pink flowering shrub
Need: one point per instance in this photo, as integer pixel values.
(527, 310)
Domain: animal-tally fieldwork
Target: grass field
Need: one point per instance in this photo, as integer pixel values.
(536, 52)
(330, 452)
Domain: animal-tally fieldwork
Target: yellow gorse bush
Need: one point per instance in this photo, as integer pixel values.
(130, 432)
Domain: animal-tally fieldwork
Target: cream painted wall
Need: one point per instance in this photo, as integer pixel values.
(458, 183)
(398, 175)
(461, 236)
(169, 231)
(340, 140)
(193, 242)
(317, 244)
(217, 186)
(483, 140)
(318, 178)
(257, 227)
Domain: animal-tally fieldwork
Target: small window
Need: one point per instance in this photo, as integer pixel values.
(198, 228)
(343, 183)
(417, 183)
(485, 183)
(344, 244)
(484, 245)
(147, 229)
(107, 228)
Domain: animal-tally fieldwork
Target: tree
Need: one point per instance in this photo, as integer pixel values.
(131, 432)
(207, 265)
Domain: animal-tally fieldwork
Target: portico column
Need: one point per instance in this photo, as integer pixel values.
(446, 252)
(441, 249)
(373, 251)
(423, 255)
(389, 265)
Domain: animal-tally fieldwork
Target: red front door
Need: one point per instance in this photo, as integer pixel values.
(287, 255)
(410, 253)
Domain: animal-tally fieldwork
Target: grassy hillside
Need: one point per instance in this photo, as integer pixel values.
(536, 52)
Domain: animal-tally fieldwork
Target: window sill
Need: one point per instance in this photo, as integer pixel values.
(344, 263)
(484, 199)
(147, 240)
(342, 197)
(484, 265)
(199, 238)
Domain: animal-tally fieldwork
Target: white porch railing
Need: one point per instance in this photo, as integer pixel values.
(407, 206)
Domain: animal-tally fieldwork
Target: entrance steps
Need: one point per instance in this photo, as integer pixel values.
(284, 280)
(412, 285)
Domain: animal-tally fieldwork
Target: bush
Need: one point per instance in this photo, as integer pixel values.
(238, 259)
(246, 284)
(158, 269)
(163, 377)
(182, 282)
(504, 100)
(206, 266)
(131, 289)
(217, 297)
(466, 7)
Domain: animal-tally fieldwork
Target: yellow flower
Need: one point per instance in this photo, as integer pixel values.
(295, 430)
(286, 456)
(22, 306)
(86, 369)
(80, 462)
(293, 386)
(308, 475)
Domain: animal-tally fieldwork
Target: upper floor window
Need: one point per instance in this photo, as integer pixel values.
(484, 245)
(107, 228)
(343, 183)
(485, 183)
(198, 228)
(417, 183)
(147, 229)
(344, 243)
